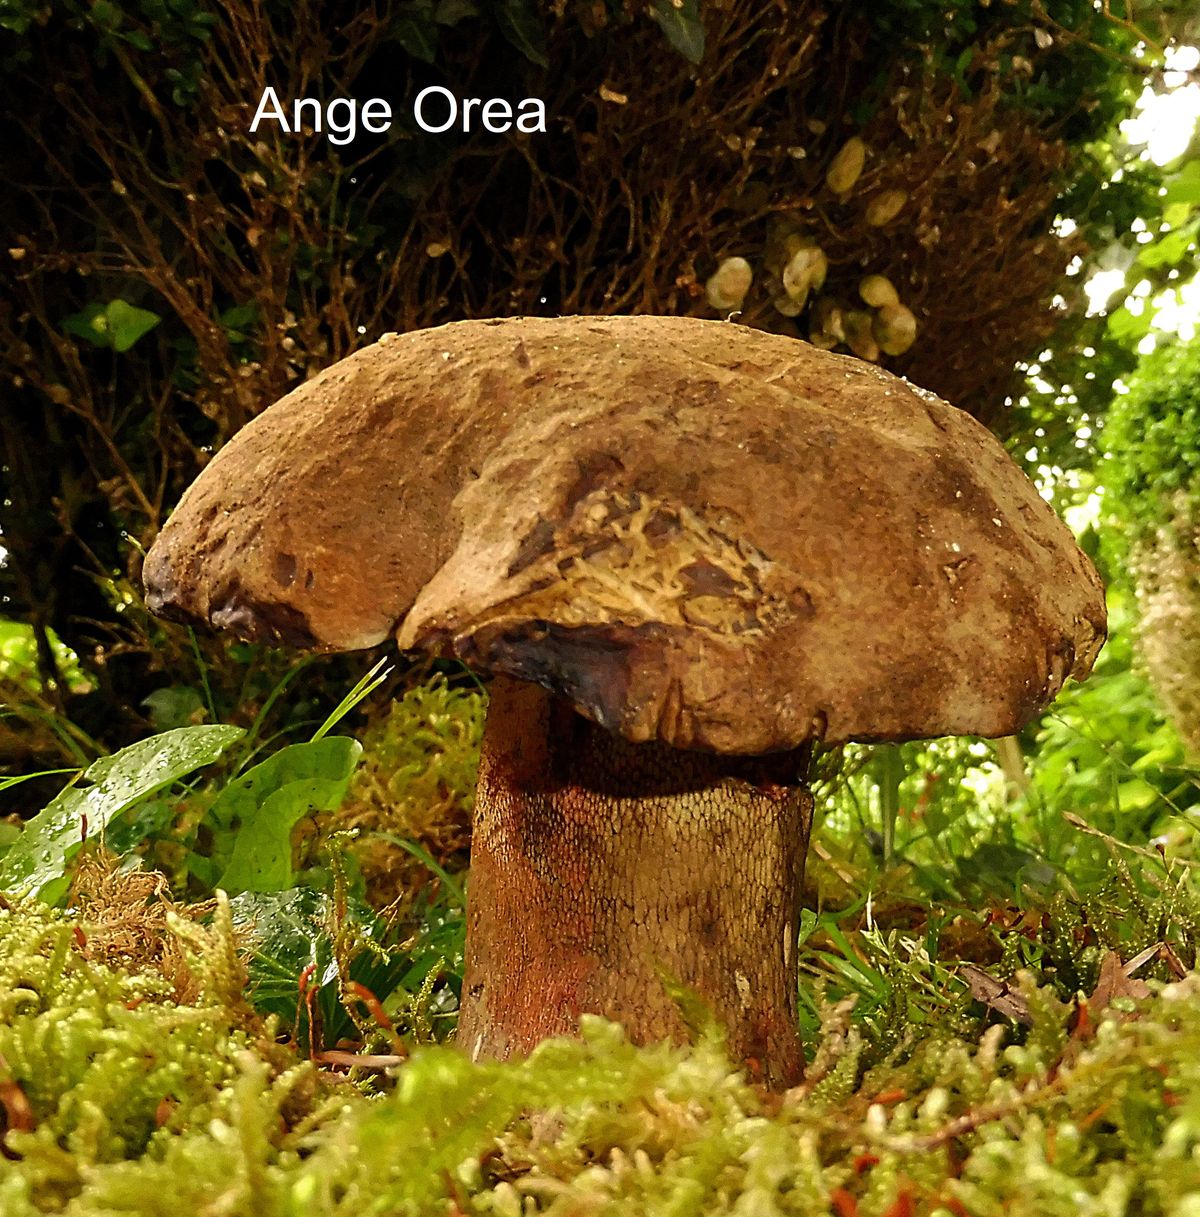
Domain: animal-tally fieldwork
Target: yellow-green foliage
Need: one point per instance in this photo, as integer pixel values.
(1099, 1115)
(94, 1061)
(1053, 1125)
(416, 781)
(419, 759)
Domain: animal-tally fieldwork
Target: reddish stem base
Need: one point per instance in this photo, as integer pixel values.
(599, 867)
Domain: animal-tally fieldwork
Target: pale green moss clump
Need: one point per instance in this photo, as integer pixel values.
(98, 1066)
(133, 1105)
(416, 782)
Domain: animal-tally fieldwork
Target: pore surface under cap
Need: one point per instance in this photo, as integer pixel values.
(695, 531)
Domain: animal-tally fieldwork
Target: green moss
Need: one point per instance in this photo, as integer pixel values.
(1070, 1114)
(424, 752)
(415, 782)
(1151, 444)
(97, 1065)
(1151, 472)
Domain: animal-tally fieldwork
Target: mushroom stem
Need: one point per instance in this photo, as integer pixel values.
(600, 866)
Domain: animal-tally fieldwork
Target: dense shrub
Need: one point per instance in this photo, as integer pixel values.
(1151, 471)
(170, 273)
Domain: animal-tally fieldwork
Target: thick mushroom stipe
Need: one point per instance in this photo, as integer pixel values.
(704, 547)
(596, 862)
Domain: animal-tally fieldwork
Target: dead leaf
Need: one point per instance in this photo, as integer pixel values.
(1115, 981)
(995, 994)
(18, 1114)
(358, 1060)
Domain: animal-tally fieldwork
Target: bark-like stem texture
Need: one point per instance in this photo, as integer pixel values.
(597, 863)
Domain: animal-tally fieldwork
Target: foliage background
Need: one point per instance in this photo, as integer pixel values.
(997, 936)
(168, 274)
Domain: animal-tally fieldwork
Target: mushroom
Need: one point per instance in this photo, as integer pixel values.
(685, 551)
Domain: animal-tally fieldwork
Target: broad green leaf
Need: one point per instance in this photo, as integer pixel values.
(115, 325)
(150, 818)
(1170, 249)
(1184, 187)
(266, 803)
(520, 24)
(36, 863)
(680, 21)
(418, 35)
(127, 324)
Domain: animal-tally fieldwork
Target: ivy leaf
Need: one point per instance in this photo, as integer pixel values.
(266, 803)
(680, 21)
(36, 863)
(522, 27)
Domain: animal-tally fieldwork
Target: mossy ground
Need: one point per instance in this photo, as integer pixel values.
(119, 1099)
(955, 1065)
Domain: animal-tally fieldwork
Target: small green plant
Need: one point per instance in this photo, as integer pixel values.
(1081, 1106)
(320, 958)
(98, 1066)
(37, 863)
(116, 325)
(247, 831)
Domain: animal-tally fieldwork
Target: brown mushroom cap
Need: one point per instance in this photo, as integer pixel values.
(695, 531)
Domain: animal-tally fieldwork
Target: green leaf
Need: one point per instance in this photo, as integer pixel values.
(808, 923)
(126, 324)
(1136, 795)
(1124, 326)
(680, 21)
(106, 14)
(240, 317)
(418, 35)
(38, 860)
(362, 688)
(267, 802)
(1169, 250)
(91, 324)
(520, 24)
(115, 325)
(287, 932)
(451, 12)
(1184, 187)
(174, 706)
